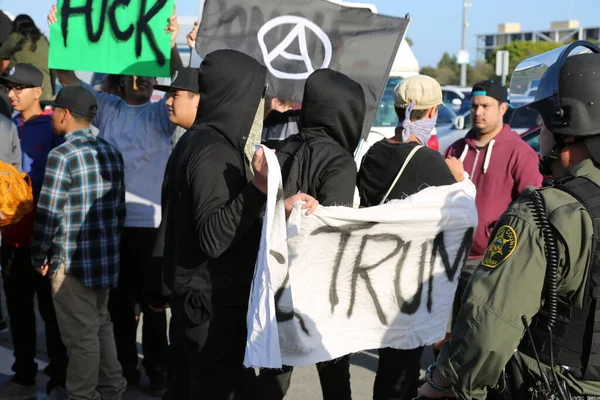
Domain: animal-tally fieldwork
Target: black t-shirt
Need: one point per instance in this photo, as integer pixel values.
(382, 163)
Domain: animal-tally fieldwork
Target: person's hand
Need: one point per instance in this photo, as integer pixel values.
(191, 37)
(310, 203)
(438, 345)
(259, 166)
(428, 392)
(43, 270)
(160, 309)
(173, 26)
(52, 15)
(456, 167)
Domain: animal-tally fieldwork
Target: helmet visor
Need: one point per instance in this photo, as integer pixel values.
(527, 85)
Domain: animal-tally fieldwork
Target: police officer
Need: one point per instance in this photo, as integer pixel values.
(535, 297)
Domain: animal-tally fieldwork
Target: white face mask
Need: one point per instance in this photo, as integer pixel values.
(421, 129)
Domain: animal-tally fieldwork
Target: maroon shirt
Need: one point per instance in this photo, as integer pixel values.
(500, 172)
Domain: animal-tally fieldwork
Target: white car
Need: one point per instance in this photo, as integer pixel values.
(458, 130)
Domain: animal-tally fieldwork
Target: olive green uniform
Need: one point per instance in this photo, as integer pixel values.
(38, 58)
(508, 284)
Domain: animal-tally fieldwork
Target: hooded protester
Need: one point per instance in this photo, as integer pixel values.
(213, 195)
(319, 161)
(211, 214)
(331, 121)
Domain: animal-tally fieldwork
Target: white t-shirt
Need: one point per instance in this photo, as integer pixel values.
(143, 136)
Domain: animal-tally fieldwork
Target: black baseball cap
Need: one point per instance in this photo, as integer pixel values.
(76, 99)
(182, 79)
(23, 74)
(492, 89)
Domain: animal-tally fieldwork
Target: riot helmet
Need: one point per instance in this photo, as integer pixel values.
(567, 85)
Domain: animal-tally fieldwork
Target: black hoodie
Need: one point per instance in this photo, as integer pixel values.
(211, 208)
(319, 159)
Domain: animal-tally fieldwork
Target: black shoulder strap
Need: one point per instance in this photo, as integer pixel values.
(588, 194)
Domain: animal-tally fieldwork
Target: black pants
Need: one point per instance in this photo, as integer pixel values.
(136, 250)
(334, 375)
(207, 359)
(1, 313)
(463, 282)
(179, 369)
(397, 375)
(21, 284)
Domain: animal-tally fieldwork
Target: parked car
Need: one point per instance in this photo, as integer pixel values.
(458, 130)
(532, 137)
(457, 97)
(521, 119)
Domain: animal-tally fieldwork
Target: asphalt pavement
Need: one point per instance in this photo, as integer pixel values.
(304, 386)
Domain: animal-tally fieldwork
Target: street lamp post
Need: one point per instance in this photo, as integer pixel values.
(463, 66)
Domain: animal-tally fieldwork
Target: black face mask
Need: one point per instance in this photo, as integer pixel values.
(545, 165)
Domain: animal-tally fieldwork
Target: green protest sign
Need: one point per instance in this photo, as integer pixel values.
(112, 36)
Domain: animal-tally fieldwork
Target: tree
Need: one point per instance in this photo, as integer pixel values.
(429, 71)
(522, 50)
(409, 41)
(480, 72)
(446, 76)
(450, 62)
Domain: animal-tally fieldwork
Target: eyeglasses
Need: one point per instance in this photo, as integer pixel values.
(16, 88)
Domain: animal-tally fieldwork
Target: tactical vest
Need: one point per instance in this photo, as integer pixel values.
(576, 334)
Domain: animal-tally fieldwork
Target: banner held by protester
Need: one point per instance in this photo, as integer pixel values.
(112, 37)
(294, 38)
(345, 280)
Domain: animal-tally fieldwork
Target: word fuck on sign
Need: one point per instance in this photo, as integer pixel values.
(112, 36)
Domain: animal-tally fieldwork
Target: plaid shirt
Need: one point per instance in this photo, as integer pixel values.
(81, 210)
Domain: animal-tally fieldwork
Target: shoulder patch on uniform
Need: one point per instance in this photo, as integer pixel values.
(501, 247)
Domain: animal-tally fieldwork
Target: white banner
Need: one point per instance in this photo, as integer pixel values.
(356, 279)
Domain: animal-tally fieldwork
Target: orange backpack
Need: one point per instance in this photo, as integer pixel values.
(16, 194)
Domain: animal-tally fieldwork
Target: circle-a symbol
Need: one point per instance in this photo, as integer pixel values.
(12, 71)
(174, 76)
(298, 31)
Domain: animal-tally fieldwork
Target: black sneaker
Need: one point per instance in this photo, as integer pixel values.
(3, 326)
(11, 390)
(158, 383)
(132, 377)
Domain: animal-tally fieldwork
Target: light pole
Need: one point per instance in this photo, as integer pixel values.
(463, 66)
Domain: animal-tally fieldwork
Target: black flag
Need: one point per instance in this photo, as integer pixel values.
(292, 38)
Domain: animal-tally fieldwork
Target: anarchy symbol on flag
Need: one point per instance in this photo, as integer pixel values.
(298, 31)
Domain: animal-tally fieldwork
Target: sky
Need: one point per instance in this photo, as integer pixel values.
(436, 24)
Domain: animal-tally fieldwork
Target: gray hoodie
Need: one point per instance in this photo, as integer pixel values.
(10, 148)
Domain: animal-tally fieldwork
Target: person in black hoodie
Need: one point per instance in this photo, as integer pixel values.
(212, 206)
(213, 195)
(319, 161)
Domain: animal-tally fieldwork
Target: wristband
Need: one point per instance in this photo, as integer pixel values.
(435, 386)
